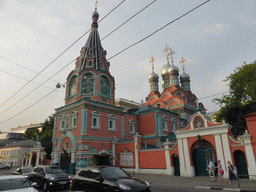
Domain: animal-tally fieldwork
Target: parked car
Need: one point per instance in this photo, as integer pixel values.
(5, 165)
(25, 171)
(50, 177)
(108, 179)
(16, 183)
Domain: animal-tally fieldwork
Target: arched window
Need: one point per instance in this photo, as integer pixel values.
(173, 125)
(90, 63)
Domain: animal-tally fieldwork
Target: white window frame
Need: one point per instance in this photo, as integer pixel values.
(95, 115)
(132, 126)
(111, 118)
(74, 119)
(61, 122)
(173, 125)
(165, 123)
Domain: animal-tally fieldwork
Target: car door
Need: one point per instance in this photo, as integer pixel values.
(33, 174)
(40, 176)
(87, 181)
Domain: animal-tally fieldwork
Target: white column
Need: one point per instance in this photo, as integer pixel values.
(29, 162)
(167, 157)
(189, 172)
(73, 152)
(182, 158)
(249, 154)
(37, 157)
(56, 158)
(26, 163)
(136, 145)
(220, 153)
(114, 150)
(227, 151)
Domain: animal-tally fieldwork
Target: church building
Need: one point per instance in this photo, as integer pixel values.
(170, 133)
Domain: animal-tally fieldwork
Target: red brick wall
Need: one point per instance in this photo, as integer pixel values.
(152, 159)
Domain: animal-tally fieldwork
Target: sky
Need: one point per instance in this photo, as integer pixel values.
(215, 39)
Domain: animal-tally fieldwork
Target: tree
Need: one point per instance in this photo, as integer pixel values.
(32, 133)
(241, 99)
(46, 135)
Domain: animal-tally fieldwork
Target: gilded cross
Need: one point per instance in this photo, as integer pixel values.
(183, 61)
(151, 61)
(166, 49)
(96, 5)
(171, 53)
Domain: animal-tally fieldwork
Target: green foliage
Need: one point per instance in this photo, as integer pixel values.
(32, 134)
(46, 136)
(241, 99)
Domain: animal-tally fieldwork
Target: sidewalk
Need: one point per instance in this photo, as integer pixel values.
(196, 182)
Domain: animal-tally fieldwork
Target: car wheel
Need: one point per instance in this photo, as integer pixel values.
(45, 187)
(6, 168)
(66, 186)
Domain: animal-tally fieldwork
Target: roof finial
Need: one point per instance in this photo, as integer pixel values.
(171, 53)
(151, 61)
(96, 5)
(166, 49)
(183, 61)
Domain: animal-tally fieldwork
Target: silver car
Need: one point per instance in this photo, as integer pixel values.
(16, 183)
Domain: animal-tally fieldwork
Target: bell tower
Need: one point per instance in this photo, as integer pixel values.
(91, 78)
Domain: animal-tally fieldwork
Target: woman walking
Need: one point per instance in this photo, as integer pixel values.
(231, 173)
(221, 173)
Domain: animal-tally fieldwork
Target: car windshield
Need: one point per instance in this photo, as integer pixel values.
(14, 183)
(27, 169)
(113, 173)
(51, 170)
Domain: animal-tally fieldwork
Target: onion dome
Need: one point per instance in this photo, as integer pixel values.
(184, 76)
(173, 69)
(95, 14)
(165, 69)
(153, 76)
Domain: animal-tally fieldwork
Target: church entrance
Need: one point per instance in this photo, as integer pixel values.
(103, 159)
(202, 150)
(176, 165)
(241, 165)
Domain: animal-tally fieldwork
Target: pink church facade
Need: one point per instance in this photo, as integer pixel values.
(168, 134)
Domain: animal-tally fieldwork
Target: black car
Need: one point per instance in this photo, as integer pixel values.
(49, 177)
(108, 179)
(25, 171)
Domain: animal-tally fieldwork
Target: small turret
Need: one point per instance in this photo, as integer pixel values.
(184, 77)
(153, 78)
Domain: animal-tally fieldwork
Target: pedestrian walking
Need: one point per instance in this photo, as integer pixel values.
(211, 170)
(231, 173)
(221, 173)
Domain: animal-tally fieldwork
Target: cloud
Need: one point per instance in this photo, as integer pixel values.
(248, 21)
(216, 28)
(218, 84)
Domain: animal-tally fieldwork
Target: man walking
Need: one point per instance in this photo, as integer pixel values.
(211, 170)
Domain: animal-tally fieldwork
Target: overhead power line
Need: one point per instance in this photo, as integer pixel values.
(128, 19)
(28, 107)
(37, 87)
(58, 57)
(159, 29)
(26, 68)
(27, 80)
(213, 95)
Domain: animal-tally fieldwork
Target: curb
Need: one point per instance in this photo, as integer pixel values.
(226, 189)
